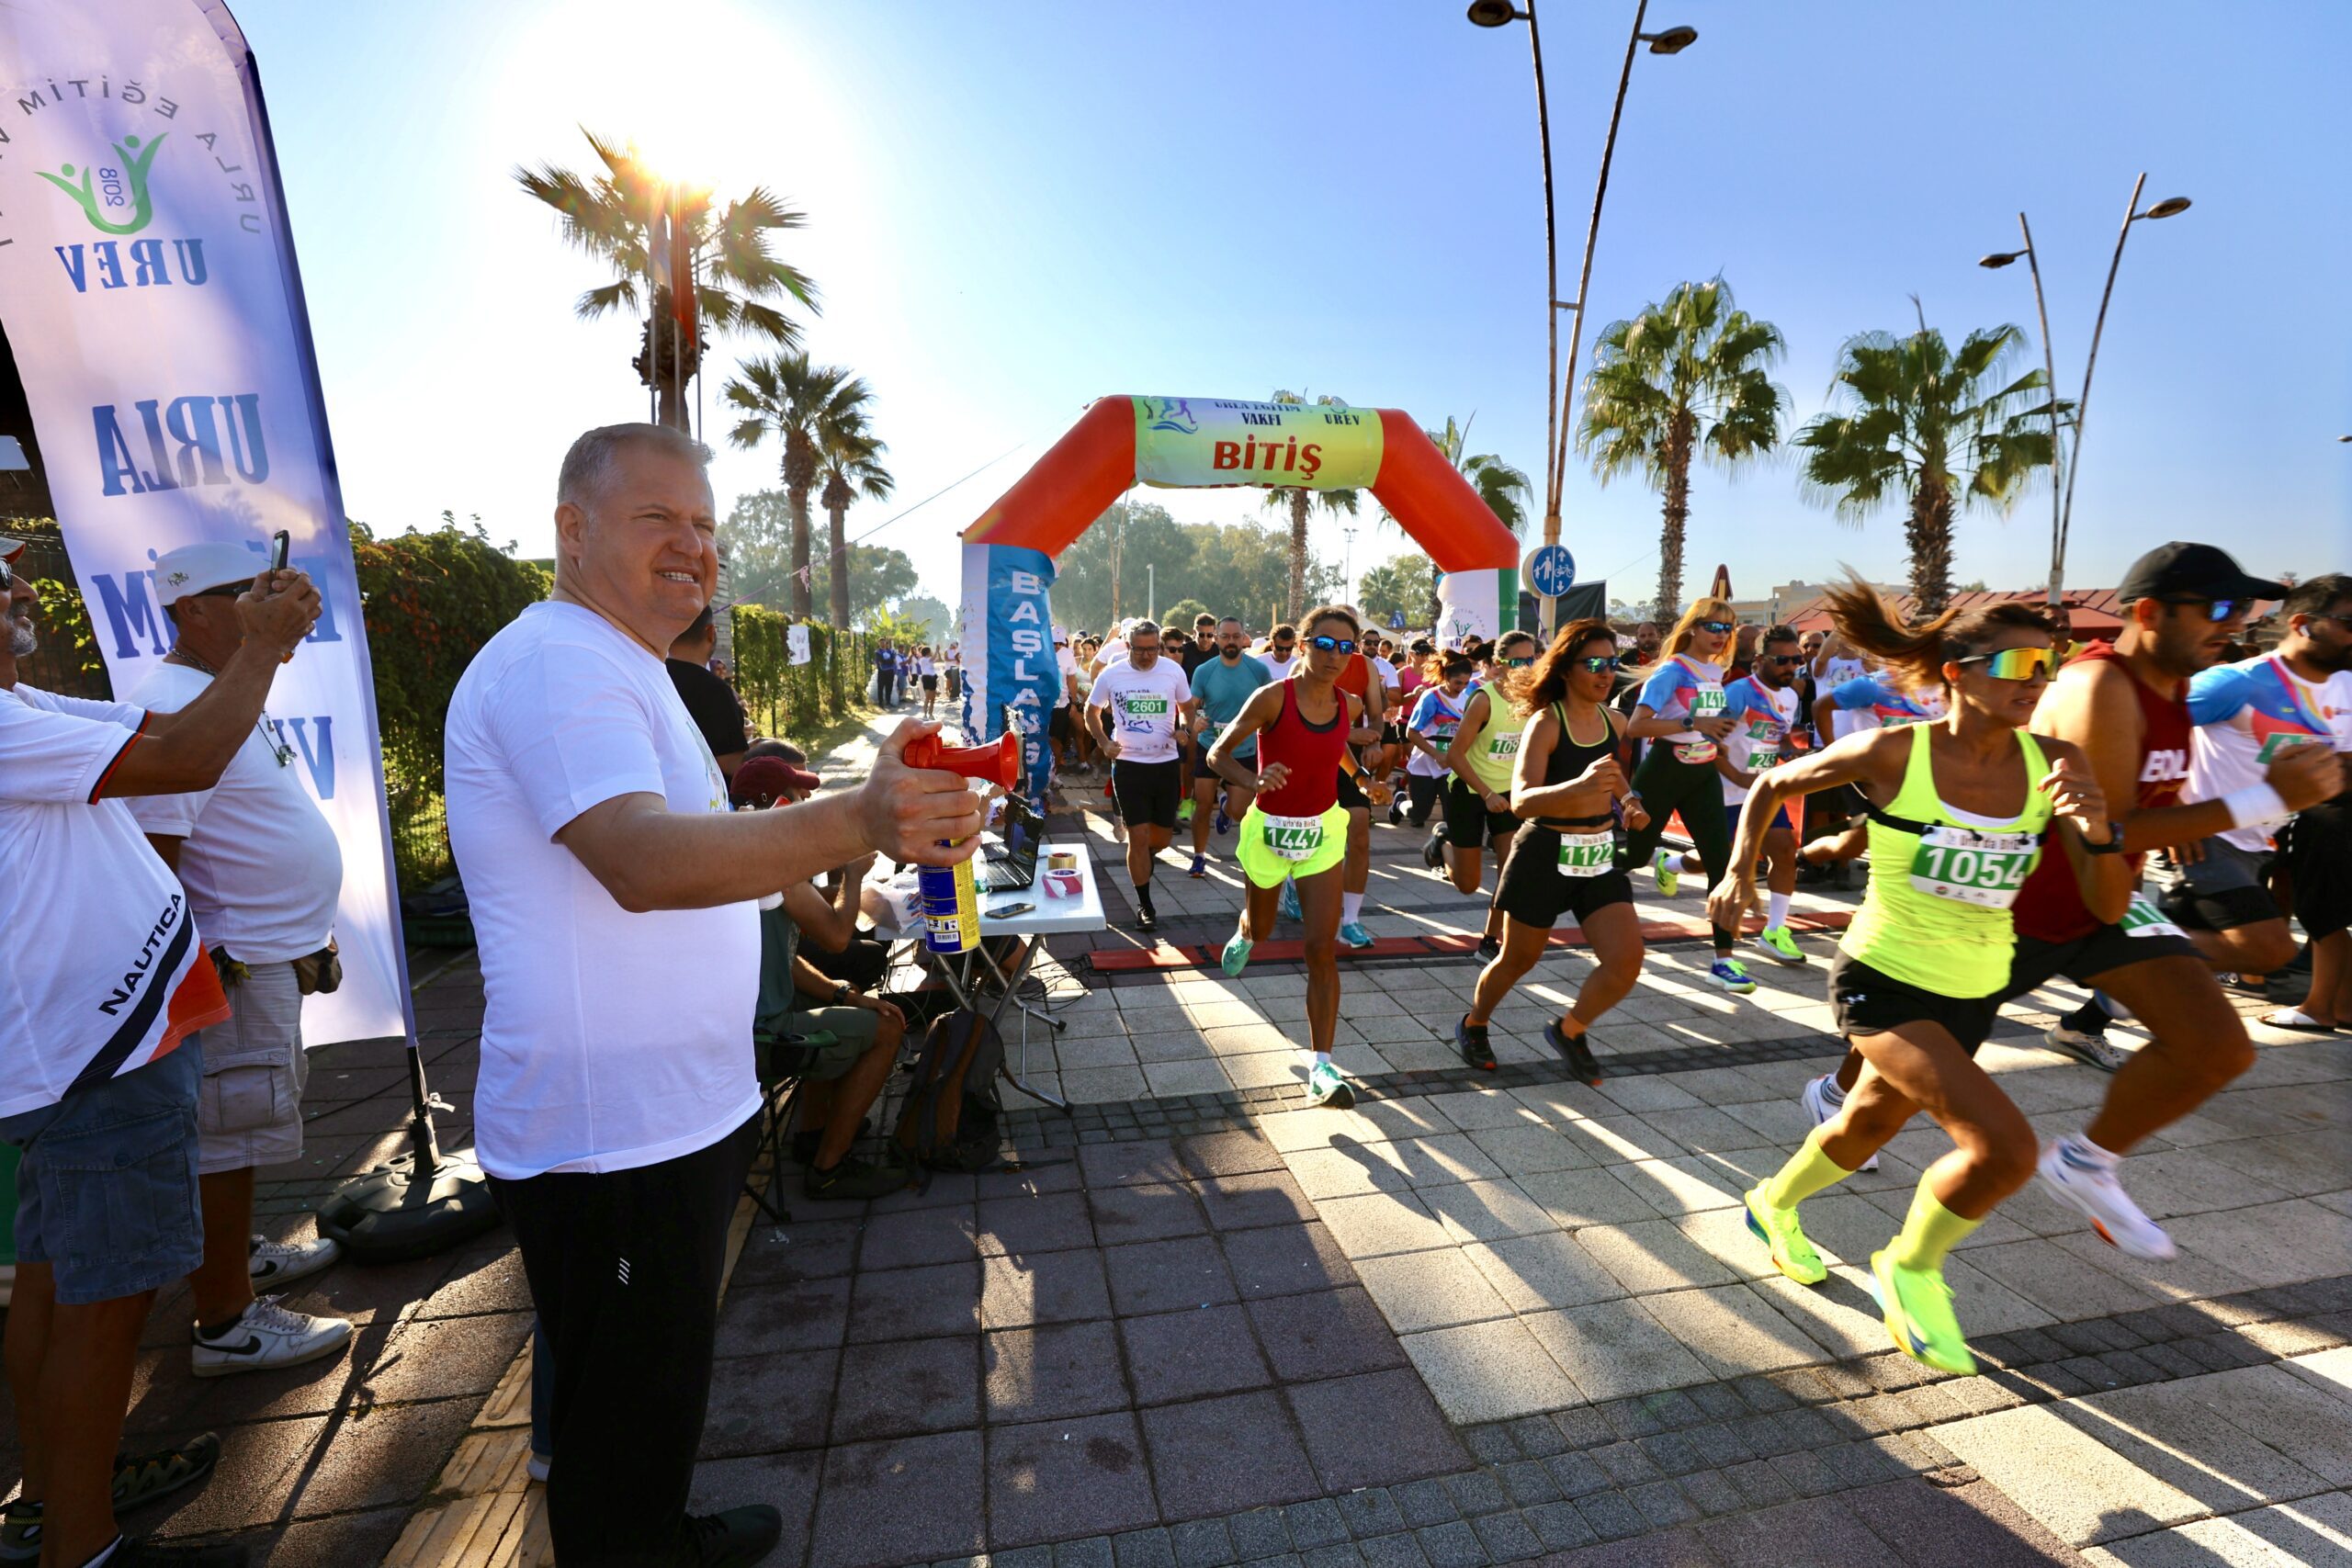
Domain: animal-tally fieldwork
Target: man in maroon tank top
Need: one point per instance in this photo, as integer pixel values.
(2126, 706)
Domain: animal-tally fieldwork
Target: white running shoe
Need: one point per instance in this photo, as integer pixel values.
(2086, 1179)
(1816, 1105)
(2085, 1046)
(277, 1264)
(267, 1337)
(537, 1466)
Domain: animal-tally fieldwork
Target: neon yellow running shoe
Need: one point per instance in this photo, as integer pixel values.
(1778, 1230)
(1669, 880)
(1918, 1305)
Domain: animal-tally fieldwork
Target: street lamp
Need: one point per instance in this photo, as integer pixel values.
(2050, 375)
(1559, 398)
(2062, 511)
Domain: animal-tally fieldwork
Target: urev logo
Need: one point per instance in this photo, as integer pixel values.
(104, 190)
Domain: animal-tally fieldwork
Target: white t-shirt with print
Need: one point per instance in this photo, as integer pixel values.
(1754, 731)
(1281, 667)
(261, 866)
(610, 1040)
(1145, 705)
(99, 933)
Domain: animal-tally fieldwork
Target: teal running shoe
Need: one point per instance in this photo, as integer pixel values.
(1235, 956)
(1353, 934)
(1327, 1088)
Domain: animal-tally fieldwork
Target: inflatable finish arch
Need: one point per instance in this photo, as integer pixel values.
(1201, 443)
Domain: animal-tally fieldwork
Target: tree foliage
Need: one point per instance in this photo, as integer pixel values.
(1406, 586)
(809, 410)
(1935, 426)
(1234, 568)
(1685, 379)
(758, 536)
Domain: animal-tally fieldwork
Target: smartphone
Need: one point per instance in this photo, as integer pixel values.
(279, 543)
(1010, 910)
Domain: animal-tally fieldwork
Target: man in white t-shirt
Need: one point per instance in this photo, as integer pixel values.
(263, 873)
(614, 900)
(1132, 713)
(104, 982)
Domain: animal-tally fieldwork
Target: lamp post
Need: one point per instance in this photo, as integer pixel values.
(2062, 512)
(1348, 563)
(1559, 398)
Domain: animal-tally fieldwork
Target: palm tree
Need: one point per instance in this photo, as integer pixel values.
(1947, 426)
(1684, 378)
(807, 407)
(609, 215)
(849, 465)
(1297, 500)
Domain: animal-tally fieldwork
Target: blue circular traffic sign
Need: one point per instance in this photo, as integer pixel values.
(1550, 570)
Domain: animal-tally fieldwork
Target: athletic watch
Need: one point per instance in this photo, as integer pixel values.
(840, 993)
(2114, 845)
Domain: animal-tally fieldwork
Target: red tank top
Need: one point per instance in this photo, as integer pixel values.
(1311, 753)
(2050, 905)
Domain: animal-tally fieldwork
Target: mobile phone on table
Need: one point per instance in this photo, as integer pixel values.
(280, 543)
(1010, 910)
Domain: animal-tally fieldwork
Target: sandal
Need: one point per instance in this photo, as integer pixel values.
(2296, 1020)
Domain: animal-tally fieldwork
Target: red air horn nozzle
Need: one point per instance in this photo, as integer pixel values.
(999, 760)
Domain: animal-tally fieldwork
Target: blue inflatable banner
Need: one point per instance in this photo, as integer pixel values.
(1009, 651)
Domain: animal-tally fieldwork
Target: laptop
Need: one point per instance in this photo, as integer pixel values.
(1012, 864)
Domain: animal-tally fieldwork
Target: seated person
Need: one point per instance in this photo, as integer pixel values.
(851, 1040)
(837, 948)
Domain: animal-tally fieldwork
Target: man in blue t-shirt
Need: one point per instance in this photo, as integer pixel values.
(1220, 686)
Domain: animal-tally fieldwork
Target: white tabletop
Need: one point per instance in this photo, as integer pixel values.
(1046, 916)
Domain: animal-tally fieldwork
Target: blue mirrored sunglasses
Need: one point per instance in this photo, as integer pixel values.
(1718, 627)
(1332, 644)
(1598, 663)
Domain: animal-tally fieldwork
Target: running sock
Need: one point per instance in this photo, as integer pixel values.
(1322, 1058)
(1831, 1094)
(2088, 1018)
(1808, 1171)
(1350, 906)
(1776, 909)
(2090, 1154)
(1929, 1231)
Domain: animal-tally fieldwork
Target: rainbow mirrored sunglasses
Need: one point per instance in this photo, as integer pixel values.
(2015, 663)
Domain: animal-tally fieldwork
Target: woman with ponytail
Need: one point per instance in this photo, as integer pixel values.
(1962, 808)
(1682, 710)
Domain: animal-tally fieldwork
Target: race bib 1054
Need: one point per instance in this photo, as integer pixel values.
(1970, 866)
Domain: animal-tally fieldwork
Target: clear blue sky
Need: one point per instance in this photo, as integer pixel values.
(1014, 209)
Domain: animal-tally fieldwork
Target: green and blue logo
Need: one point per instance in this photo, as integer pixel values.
(115, 200)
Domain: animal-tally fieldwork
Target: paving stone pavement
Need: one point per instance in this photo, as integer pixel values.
(1483, 1317)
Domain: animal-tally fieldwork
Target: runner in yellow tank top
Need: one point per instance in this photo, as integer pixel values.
(1483, 756)
(1961, 809)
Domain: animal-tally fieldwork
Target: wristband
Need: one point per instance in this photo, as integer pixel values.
(2256, 806)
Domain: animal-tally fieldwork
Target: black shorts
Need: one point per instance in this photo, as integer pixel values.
(1870, 1001)
(2086, 958)
(931, 683)
(1205, 774)
(1057, 728)
(1534, 893)
(1392, 733)
(1421, 790)
(1146, 791)
(2223, 888)
(2319, 860)
(1468, 824)
(1351, 793)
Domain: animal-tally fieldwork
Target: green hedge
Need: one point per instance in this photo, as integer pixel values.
(786, 699)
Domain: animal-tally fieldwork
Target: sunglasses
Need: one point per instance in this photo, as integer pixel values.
(1595, 663)
(1719, 627)
(2014, 663)
(2344, 621)
(1781, 658)
(1332, 644)
(1283, 644)
(2216, 610)
(1519, 664)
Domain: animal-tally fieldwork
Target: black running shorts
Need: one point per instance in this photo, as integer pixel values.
(1468, 824)
(1534, 893)
(1870, 1001)
(2319, 860)
(1146, 791)
(1351, 793)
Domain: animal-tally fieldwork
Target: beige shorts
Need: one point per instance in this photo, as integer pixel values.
(249, 1108)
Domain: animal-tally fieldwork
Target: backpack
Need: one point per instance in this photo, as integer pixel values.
(949, 1120)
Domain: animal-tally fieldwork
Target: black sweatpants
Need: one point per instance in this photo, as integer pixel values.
(1668, 786)
(625, 1269)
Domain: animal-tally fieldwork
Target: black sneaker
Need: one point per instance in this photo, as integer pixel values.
(143, 1478)
(734, 1537)
(135, 1553)
(1146, 917)
(1470, 1039)
(854, 1179)
(1396, 815)
(1490, 948)
(1573, 1051)
(1433, 853)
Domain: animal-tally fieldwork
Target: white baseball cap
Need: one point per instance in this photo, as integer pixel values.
(192, 569)
(10, 549)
